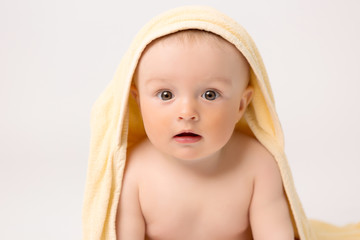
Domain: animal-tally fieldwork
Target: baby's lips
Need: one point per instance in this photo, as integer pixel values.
(187, 134)
(187, 138)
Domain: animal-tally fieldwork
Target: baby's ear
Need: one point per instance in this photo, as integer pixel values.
(134, 92)
(246, 98)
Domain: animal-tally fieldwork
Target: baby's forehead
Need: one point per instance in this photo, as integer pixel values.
(192, 38)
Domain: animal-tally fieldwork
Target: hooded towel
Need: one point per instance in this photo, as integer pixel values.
(116, 124)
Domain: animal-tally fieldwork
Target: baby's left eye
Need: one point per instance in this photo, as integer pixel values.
(210, 95)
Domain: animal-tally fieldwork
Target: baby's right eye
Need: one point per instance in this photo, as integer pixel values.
(165, 95)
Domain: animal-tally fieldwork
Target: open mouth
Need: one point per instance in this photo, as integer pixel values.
(187, 134)
(187, 137)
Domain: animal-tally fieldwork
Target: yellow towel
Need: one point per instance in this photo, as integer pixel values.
(116, 124)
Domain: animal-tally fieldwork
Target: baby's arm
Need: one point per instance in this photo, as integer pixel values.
(130, 224)
(269, 213)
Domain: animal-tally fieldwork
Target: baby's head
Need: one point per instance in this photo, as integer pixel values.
(192, 88)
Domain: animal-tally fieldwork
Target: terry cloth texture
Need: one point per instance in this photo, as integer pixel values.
(116, 124)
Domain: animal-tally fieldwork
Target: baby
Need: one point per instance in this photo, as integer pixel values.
(193, 177)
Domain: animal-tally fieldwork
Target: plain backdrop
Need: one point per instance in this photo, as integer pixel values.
(56, 57)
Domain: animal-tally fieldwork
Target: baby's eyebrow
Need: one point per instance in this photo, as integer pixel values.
(152, 80)
(227, 81)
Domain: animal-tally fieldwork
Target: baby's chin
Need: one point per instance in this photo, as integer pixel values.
(194, 157)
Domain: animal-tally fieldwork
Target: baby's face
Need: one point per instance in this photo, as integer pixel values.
(191, 95)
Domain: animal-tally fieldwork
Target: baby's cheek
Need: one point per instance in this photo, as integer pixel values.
(155, 122)
(229, 121)
(221, 124)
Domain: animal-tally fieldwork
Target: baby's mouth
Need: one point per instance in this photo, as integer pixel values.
(187, 137)
(189, 134)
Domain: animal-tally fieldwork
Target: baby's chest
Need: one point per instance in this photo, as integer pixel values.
(186, 210)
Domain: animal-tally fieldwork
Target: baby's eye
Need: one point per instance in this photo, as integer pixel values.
(165, 95)
(210, 95)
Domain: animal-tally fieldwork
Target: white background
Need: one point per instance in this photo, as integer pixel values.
(57, 56)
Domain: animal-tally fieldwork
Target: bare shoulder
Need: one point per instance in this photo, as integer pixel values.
(260, 159)
(139, 149)
(260, 164)
(266, 167)
(254, 152)
(141, 162)
(137, 157)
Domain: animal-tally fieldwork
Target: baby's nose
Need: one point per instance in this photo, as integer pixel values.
(193, 117)
(188, 111)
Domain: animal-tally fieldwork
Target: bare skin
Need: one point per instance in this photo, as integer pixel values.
(177, 200)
